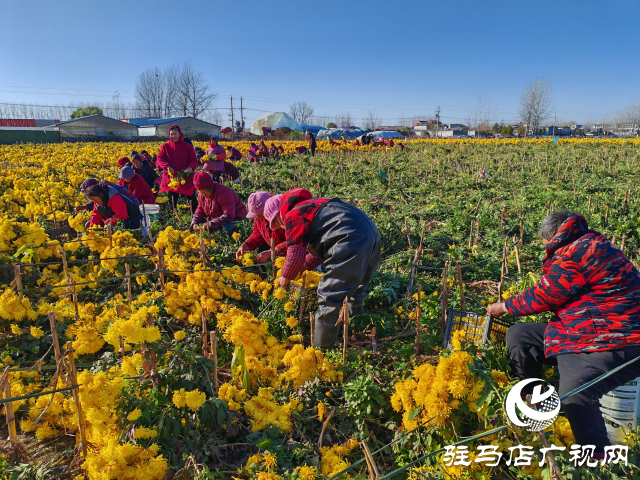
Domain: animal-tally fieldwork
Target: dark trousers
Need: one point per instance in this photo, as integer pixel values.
(173, 200)
(525, 346)
(350, 244)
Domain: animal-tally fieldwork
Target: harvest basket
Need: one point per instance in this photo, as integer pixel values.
(63, 232)
(310, 297)
(479, 329)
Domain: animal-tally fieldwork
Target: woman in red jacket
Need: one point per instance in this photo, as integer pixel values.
(218, 206)
(177, 158)
(262, 233)
(109, 206)
(136, 185)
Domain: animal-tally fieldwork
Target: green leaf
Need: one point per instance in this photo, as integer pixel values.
(414, 413)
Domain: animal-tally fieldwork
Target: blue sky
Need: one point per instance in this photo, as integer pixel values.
(351, 56)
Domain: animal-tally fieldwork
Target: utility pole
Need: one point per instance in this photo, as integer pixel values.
(241, 115)
(232, 125)
(555, 123)
(437, 120)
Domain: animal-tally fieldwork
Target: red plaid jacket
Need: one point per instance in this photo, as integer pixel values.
(298, 209)
(593, 289)
(262, 234)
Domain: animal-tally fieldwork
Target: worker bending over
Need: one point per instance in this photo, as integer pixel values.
(218, 206)
(593, 291)
(341, 236)
(136, 185)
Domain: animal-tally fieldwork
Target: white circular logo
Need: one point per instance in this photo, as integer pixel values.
(535, 420)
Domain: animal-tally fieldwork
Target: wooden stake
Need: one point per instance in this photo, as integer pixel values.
(477, 239)
(471, 234)
(128, 272)
(202, 255)
(110, 233)
(371, 465)
(11, 419)
(418, 318)
(152, 357)
(213, 342)
(76, 397)
(54, 337)
(517, 250)
(119, 314)
(204, 322)
(460, 286)
(273, 258)
(406, 232)
(624, 239)
(161, 267)
(445, 295)
(312, 321)
(345, 330)
(606, 213)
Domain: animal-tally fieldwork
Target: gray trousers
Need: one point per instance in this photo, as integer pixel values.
(349, 242)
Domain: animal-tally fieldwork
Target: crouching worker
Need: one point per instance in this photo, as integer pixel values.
(262, 233)
(593, 290)
(109, 206)
(136, 185)
(341, 236)
(218, 206)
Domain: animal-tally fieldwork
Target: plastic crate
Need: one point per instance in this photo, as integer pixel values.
(63, 232)
(480, 329)
(310, 296)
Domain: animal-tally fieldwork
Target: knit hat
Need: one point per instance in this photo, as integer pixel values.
(272, 208)
(202, 180)
(133, 153)
(123, 161)
(127, 172)
(89, 182)
(256, 203)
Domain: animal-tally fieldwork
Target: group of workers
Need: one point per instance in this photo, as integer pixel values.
(588, 283)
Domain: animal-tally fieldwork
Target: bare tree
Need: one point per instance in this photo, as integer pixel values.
(195, 96)
(301, 112)
(483, 117)
(321, 120)
(116, 109)
(535, 103)
(372, 121)
(150, 92)
(172, 90)
(343, 120)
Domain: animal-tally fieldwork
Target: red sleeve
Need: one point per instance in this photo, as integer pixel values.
(162, 161)
(294, 262)
(121, 182)
(311, 262)
(96, 218)
(255, 239)
(116, 203)
(563, 281)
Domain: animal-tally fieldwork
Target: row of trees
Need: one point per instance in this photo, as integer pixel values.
(302, 112)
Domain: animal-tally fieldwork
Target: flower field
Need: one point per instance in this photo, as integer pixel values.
(187, 364)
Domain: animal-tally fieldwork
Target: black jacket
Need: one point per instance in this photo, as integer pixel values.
(147, 173)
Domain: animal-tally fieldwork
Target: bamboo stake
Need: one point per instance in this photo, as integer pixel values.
(606, 213)
(371, 466)
(445, 295)
(471, 234)
(312, 322)
(11, 419)
(406, 232)
(345, 330)
(476, 240)
(624, 239)
(213, 342)
(204, 321)
(18, 280)
(110, 233)
(76, 397)
(460, 286)
(128, 272)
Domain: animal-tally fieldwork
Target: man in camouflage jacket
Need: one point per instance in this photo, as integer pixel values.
(594, 292)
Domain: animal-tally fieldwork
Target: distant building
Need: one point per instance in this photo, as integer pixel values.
(159, 127)
(454, 126)
(390, 128)
(97, 127)
(449, 133)
(26, 122)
